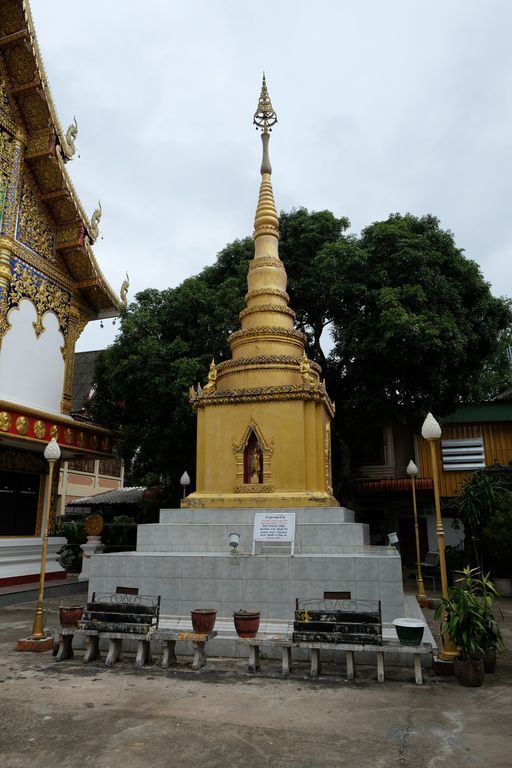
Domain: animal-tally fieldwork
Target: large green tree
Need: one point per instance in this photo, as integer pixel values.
(413, 325)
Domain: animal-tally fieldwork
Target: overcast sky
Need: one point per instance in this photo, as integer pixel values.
(382, 106)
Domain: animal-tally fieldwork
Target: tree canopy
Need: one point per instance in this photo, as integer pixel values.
(413, 325)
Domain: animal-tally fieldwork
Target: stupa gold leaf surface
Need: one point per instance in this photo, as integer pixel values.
(263, 417)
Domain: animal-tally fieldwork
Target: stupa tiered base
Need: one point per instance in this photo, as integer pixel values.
(187, 561)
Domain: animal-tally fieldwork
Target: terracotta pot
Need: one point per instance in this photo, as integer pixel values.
(70, 615)
(469, 672)
(246, 623)
(203, 620)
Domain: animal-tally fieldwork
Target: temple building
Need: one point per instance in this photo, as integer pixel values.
(264, 417)
(50, 287)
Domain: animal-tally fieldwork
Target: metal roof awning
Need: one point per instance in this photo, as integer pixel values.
(119, 496)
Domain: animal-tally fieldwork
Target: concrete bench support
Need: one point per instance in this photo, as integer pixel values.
(254, 644)
(380, 652)
(92, 648)
(64, 646)
(169, 639)
(286, 644)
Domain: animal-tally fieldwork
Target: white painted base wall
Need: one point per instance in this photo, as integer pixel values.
(31, 368)
(22, 557)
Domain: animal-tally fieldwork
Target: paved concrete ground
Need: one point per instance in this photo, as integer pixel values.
(67, 715)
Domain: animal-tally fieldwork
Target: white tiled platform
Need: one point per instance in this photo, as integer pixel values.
(185, 559)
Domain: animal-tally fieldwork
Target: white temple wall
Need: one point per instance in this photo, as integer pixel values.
(32, 368)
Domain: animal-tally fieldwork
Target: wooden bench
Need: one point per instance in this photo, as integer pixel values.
(285, 643)
(115, 617)
(169, 638)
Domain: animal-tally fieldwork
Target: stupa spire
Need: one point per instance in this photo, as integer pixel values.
(266, 221)
(267, 388)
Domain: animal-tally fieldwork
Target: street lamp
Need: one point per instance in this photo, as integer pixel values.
(185, 482)
(412, 471)
(431, 432)
(51, 454)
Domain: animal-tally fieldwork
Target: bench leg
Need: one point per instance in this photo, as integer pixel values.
(314, 665)
(380, 666)
(143, 653)
(199, 655)
(351, 667)
(92, 648)
(254, 658)
(417, 669)
(287, 661)
(114, 652)
(168, 654)
(65, 648)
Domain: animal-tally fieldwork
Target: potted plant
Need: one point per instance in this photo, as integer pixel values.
(467, 619)
(246, 623)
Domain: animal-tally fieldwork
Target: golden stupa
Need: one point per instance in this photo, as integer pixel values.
(264, 417)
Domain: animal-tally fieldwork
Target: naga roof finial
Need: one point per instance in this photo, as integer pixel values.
(264, 117)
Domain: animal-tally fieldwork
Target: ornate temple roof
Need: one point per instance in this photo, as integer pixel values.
(28, 112)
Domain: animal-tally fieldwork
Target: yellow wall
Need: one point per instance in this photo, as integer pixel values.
(497, 439)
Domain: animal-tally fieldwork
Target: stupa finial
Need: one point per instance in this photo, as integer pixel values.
(264, 117)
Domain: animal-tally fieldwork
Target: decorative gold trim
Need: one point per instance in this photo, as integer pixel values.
(259, 360)
(265, 394)
(44, 295)
(5, 421)
(40, 429)
(58, 419)
(23, 461)
(328, 458)
(267, 292)
(248, 488)
(22, 425)
(277, 308)
(258, 262)
(266, 330)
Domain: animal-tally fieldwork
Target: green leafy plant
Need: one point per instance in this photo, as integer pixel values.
(497, 537)
(467, 616)
(475, 504)
(73, 531)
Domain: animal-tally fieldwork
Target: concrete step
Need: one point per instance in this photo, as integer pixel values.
(27, 593)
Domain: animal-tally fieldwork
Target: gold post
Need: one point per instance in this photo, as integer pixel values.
(38, 632)
(431, 431)
(420, 592)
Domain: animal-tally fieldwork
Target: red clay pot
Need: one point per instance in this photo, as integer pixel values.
(203, 620)
(70, 615)
(246, 623)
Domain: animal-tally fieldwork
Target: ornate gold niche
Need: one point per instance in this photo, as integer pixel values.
(252, 447)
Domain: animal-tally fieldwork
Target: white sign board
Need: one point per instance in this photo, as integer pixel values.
(274, 526)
